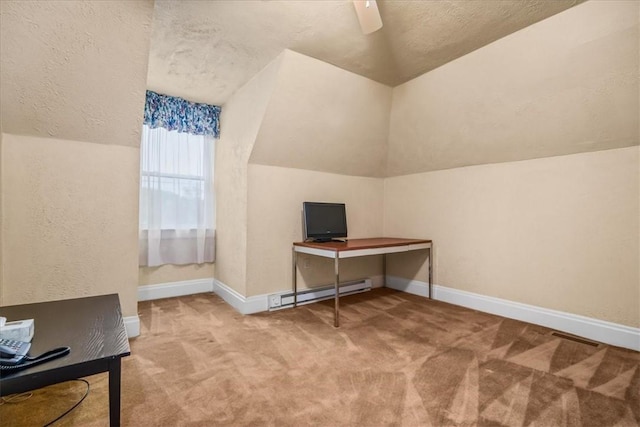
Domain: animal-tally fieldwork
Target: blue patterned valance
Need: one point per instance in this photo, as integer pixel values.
(173, 113)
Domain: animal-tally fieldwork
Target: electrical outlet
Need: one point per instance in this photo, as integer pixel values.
(274, 301)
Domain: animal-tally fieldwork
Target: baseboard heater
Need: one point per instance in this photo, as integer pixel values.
(319, 294)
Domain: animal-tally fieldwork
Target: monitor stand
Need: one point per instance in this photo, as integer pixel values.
(327, 240)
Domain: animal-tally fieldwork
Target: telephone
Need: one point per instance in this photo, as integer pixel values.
(13, 352)
(13, 355)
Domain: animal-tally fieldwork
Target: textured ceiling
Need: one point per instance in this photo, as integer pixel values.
(205, 50)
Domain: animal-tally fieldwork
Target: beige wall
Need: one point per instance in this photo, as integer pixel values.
(72, 78)
(1, 221)
(323, 118)
(240, 122)
(69, 225)
(564, 85)
(559, 233)
(275, 221)
(174, 273)
(319, 119)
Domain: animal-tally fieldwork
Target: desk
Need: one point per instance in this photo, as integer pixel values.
(355, 248)
(91, 326)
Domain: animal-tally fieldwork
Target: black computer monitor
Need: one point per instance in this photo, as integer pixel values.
(324, 222)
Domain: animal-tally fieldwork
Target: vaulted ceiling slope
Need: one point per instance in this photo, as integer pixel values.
(74, 70)
(205, 50)
(565, 85)
(323, 118)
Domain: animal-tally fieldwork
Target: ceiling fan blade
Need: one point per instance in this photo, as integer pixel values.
(368, 15)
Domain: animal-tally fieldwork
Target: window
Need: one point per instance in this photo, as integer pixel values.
(177, 209)
(175, 179)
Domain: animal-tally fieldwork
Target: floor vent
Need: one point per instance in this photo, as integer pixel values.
(574, 338)
(277, 302)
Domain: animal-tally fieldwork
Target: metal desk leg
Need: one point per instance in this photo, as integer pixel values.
(336, 314)
(294, 278)
(384, 270)
(431, 271)
(114, 392)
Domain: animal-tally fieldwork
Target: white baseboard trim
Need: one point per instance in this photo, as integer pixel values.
(377, 281)
(414, 287)
(253, 304)
(132, 325)
(594, 329)
(242, 304)
(174, 289)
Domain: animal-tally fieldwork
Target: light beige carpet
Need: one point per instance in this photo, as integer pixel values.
(397, 359)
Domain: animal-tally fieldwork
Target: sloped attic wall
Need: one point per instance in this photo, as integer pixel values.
(323, 138)
(290, 159)
(300, 130)
(326, 119)
(568, 84)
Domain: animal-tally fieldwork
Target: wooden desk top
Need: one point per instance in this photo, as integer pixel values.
(359, 244)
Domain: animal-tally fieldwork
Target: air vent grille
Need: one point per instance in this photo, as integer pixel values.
(574, 338)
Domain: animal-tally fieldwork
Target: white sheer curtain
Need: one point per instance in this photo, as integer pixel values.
(177, 208)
